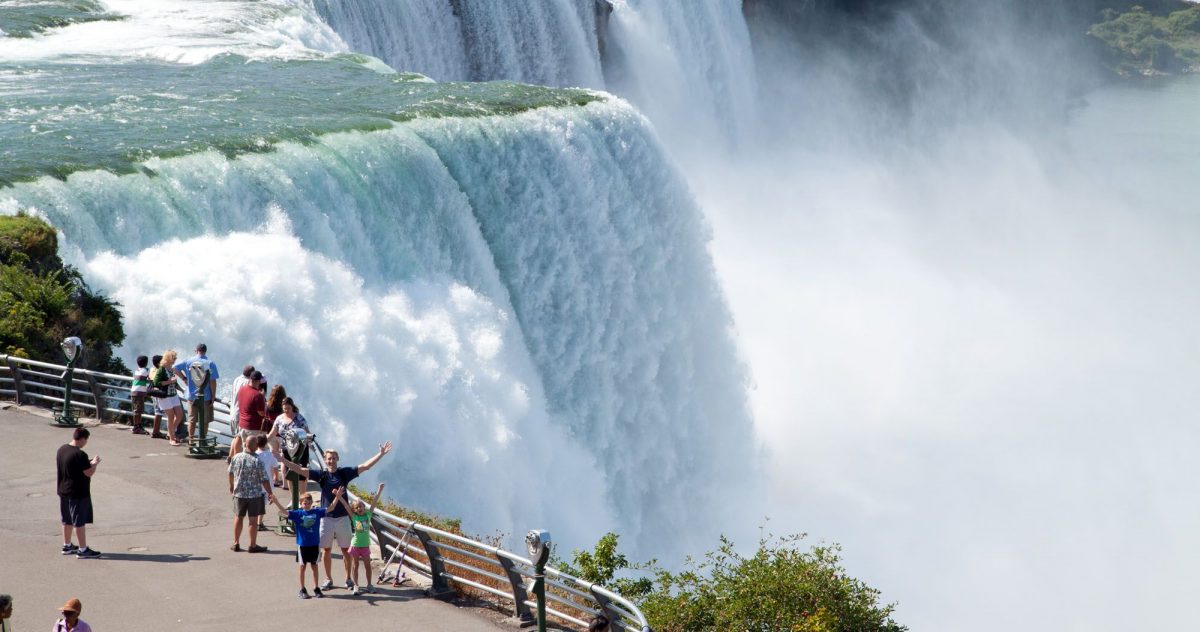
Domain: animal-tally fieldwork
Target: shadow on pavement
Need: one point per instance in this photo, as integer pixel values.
(380, 595)
(166, 558)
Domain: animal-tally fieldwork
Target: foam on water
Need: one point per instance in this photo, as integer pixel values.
(430, 364)
(575, 248)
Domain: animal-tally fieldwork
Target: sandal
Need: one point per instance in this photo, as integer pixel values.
(158, 435)
(236, 548)
(175, 443)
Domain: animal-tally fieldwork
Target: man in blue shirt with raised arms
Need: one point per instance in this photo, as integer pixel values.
(336, 524)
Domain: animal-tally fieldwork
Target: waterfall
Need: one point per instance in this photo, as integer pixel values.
(552, 42)
(687, 65)
(525, 301)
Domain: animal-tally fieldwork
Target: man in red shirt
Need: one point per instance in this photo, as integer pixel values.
(252, 409)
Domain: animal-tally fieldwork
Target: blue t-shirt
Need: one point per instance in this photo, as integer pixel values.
(330, 481)
(307, 524)
(213, 374)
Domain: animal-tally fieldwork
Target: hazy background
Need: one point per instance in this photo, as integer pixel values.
(964, 273)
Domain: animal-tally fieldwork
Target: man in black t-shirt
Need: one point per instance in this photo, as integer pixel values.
(75, 472)
(336, 524)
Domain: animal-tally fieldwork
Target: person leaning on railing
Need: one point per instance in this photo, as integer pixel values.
(336, 525)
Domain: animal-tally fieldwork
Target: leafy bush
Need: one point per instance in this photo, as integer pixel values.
(781, 588)
(1141, 42)
(42, 301)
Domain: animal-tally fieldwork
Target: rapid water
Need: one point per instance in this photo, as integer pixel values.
(687, 65)
(509, 281)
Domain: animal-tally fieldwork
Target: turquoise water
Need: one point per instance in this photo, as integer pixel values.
(513, 278)
(26, 18)
(112, 116)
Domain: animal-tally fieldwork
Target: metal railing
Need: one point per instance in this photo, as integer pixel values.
(447, 559)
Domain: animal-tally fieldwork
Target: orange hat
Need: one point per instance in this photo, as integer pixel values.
(72, 605)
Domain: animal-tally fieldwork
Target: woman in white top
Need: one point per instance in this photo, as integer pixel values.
(283, 429)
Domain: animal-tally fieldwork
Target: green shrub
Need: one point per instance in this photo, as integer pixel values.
(780, 588)
(1141, 42)
(42, 301)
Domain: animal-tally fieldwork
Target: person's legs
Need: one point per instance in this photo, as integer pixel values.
(257, 509)
(346, 562)
(327, 557)
(157, 420)
(193, 418)
(237, 530)
(254, 531)
(174, 416)
(81, 535)
(67, 531)
(138, 405)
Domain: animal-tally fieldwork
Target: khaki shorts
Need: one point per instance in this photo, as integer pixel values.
(335, 529)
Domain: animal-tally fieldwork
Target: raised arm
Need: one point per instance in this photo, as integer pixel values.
(375, 500)
(384, 448)
(293, 467)
(339, 498)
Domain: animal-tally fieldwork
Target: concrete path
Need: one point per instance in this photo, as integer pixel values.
(164, 524)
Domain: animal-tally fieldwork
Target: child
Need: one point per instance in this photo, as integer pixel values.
(264, 454)
(360, 542)
(306, 521)
(137, 393)
(261, 450)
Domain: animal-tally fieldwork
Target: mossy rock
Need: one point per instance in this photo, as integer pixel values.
(29, 242)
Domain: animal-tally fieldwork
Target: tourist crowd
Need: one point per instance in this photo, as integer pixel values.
(269, 450)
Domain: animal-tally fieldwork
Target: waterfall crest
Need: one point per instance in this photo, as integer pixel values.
(552, 259)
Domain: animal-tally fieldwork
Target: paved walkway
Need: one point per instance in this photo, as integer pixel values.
(164, 523)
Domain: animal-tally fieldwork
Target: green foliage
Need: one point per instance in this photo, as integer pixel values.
(780, 588)
(28, 242)
(601, 565)
(42, 301)
(1141, 42)
(451, 525)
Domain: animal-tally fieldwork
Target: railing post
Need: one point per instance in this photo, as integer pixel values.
(614, 617)
(97, 394)
(18, 382)
(441, 588)
(518, 590)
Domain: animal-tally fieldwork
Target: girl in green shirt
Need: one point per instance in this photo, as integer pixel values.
(360, 542)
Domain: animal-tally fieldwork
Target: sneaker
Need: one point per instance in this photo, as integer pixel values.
(349, 585)
(256, 548)
(327, 585)
(356, 591)
(303, 594)
(318, 593)
(70, 549)
(139, 430)
(88, 554)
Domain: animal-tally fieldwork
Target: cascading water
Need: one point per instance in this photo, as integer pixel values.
(549, 43)
(687, 65)
(510, 280)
